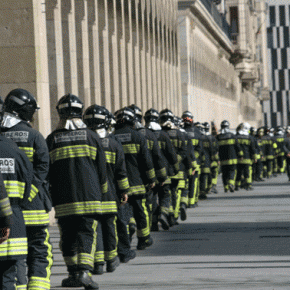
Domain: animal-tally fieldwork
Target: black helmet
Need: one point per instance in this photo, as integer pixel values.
(187, 118)
(96, 117)
(22, 103)
(70, 106)
(138, 113)
(125, 115)
(178, 122)
(206, 126)
(166, 115)
(225, 124)
(151, 115)
(111, 119)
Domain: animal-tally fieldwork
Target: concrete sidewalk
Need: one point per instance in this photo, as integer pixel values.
(230, 241)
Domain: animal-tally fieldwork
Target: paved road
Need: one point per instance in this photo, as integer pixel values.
(231, 241)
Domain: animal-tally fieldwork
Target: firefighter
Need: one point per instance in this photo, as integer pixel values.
(160, 214)
(214, 166)
(79, 188)
(188, 167)
(179, 143)
(195, 136)
(17, 174)
(286, 149)
(140, 170)
(157, 158)
(280, 140)
(97, 119)
(270, 151)
(18, 110)
(244, 166)
(262, 168)
(229, 152)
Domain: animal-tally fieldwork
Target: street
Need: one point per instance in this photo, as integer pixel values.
(232, 241)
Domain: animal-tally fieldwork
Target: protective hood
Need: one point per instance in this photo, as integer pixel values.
(103, 133)
(138, 125)
(71, 124)
(225, 130)
(10, 120)
(153, 126)
(169, 124)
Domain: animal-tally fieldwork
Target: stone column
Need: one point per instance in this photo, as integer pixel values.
(154, 59)
(148, 54)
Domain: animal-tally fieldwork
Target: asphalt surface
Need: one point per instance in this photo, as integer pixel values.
(231, 241)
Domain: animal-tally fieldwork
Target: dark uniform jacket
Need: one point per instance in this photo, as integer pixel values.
(270, 147)
(215, 151)
(248, 147)
(229, 149)
(138, 159)
(195, 136)
(178, 141)
(168, 153)
(33, 144)
(17, 173)
(116, 169)
(280, 140)
(157, 158)
(77, 174)
(208, 154)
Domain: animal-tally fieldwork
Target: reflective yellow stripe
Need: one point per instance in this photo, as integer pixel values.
(131, 148)
(244, 141)
(229, 162)
(161, 172)
(162, 144)
(5, 207)
(33, 192)
(35, 217)
(105, 187)
(205, 170)
(14, 188)
(123, 184)
(109, 207)
(73, 152)
(227, 142)
(176, 166)
(150, 144)
(21, 287)
(99, 256)
(145, 232)
(179, 175)
(110, 157)
(71, 261)
(245, 161)
(85, 207)
(14, 247)
(29, 152)
(36, 283)
(138, 189)
(150, 173)
(194, 142)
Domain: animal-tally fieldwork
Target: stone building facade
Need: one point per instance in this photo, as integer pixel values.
(221, 74)
(109, 52)
(277, 109)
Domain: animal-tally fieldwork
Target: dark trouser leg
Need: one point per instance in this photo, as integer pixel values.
(7, 275)
(39, 259)
(79, 236)
(22, 281)
(99, 258)
(123, 218)
(141, 215)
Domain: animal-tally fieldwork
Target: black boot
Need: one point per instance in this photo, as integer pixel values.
(85, 278)
(143, 244)
(113, 264)
(98, 269)
(72, 280)
(164, 222)
(183, 212)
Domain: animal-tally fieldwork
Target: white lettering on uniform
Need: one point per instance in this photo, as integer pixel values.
(17, 136)
(124, 137)
(77, 135)
(7, 165)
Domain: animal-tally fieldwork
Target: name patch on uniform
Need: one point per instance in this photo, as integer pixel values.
(70, 136)
(172, 133)
(17, 136)
(7, 165)
(191, 135)
(124, 137)
(105, 142)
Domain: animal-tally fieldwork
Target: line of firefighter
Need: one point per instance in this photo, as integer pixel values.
(110, 176)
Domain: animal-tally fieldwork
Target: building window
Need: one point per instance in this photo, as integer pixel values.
(234, 23)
